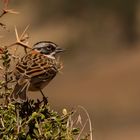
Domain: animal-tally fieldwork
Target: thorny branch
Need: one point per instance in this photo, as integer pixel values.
(5, 10)
(20, 40)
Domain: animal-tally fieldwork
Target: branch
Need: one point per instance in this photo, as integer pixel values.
(6, 10)
(20, 40)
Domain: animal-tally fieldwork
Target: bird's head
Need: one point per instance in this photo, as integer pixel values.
(47, 48)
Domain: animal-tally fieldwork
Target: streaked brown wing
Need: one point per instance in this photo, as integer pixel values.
(43, 79)
(36, 66)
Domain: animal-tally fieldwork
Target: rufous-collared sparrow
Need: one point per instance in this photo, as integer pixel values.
(36, 69)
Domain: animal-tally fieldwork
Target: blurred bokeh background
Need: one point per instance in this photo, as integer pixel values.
(102, 62)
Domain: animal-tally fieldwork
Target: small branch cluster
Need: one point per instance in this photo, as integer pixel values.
(21, 39)
(5, 11)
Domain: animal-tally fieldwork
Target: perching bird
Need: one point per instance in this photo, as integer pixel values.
(36, 69)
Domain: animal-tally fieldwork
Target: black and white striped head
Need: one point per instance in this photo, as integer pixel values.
(47, 47)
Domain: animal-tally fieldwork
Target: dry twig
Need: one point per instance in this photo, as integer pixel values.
(6, 10)
(20, 40)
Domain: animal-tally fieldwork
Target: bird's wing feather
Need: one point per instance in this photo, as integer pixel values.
(19, 92)
(36, 65)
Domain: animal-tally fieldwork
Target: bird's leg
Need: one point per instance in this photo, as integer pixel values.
(42, 93)
(45, 99)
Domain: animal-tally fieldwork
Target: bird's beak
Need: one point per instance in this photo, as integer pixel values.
(58, 50)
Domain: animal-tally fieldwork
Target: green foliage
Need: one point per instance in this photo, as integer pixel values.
(34, 120)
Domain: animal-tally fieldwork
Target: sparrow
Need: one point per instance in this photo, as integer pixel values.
(36, 69)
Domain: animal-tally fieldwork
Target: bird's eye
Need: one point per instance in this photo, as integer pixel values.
(49, 47)
(39, 49)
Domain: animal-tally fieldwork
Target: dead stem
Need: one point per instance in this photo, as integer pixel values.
(6, 10)
(20, 39)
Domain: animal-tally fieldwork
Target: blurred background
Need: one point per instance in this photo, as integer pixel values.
(102, 62)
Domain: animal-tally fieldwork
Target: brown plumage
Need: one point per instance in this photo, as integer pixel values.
(36, 69)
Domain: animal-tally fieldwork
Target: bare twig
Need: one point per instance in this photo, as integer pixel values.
(6, 10)
(20, 39)
(23, 37)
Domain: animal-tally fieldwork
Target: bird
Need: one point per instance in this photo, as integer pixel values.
(36, 69)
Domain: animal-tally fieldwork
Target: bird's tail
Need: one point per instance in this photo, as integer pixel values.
(19, 92)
